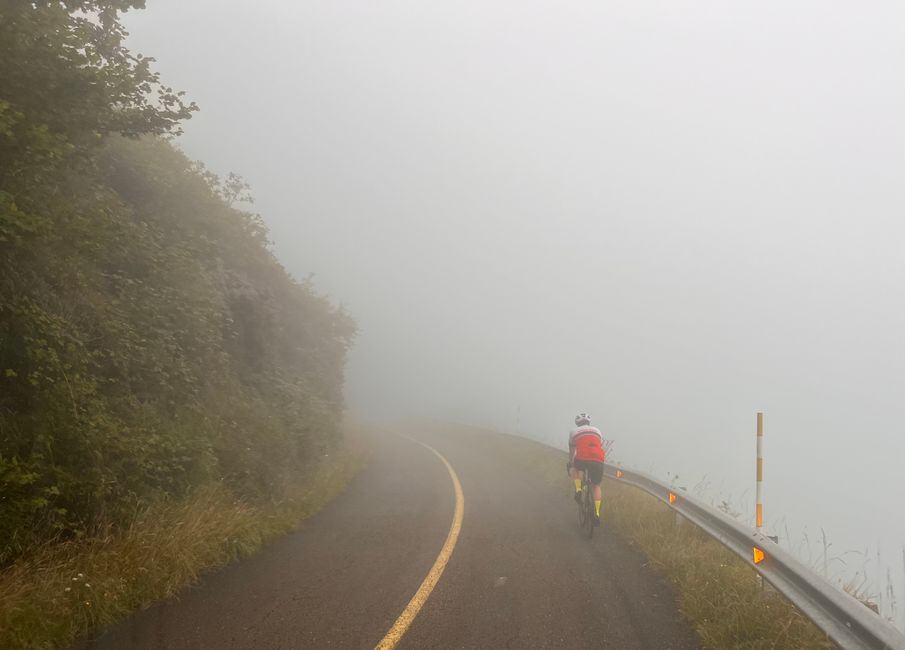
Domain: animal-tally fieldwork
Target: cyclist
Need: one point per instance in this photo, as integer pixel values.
(586, 454)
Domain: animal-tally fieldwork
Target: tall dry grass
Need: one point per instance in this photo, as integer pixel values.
(717, 591)
(62, 591)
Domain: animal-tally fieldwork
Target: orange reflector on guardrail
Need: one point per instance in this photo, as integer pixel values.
(758, 555)
(619, 473)
(672, 498)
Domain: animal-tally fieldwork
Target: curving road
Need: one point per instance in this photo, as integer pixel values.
(520, 574)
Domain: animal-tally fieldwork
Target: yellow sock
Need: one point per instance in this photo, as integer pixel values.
(578, 485)
(597, 506)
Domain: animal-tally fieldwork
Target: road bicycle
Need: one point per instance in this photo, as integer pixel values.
(586, 510)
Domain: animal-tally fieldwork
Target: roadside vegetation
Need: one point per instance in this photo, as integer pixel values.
(168, 392)
(717, 592)
(59, 592)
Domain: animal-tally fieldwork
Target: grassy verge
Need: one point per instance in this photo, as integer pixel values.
(63, 591)
(718, 593)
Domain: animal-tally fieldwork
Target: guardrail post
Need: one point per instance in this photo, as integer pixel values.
(680, 520)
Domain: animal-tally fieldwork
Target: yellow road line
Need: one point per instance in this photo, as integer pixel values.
(424, 591)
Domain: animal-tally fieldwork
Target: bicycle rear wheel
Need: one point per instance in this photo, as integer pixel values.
(582, 511)
(588, 505)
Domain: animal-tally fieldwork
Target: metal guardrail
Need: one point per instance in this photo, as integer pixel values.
(845, 620)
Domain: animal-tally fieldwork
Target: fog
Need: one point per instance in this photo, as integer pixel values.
(668, 214)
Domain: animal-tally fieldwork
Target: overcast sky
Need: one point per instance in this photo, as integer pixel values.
(669, 214)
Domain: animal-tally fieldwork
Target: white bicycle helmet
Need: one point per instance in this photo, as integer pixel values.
(582, 419)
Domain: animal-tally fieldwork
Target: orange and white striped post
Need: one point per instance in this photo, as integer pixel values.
(759, 553)
(759, 506)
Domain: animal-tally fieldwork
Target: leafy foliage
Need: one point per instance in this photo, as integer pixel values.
(149, 341)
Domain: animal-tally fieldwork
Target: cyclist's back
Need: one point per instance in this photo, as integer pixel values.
(587, 441)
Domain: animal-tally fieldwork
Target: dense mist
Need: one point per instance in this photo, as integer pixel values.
(670, 215)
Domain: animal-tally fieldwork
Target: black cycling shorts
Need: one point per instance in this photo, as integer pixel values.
(592, 467)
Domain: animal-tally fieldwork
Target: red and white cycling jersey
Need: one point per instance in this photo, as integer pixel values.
(586, 443)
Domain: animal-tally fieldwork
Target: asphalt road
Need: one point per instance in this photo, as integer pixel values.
(520, 576)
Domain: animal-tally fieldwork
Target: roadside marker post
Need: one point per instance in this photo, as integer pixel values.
(759, 506)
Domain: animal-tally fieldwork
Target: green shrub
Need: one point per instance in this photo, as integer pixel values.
(150, 343)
